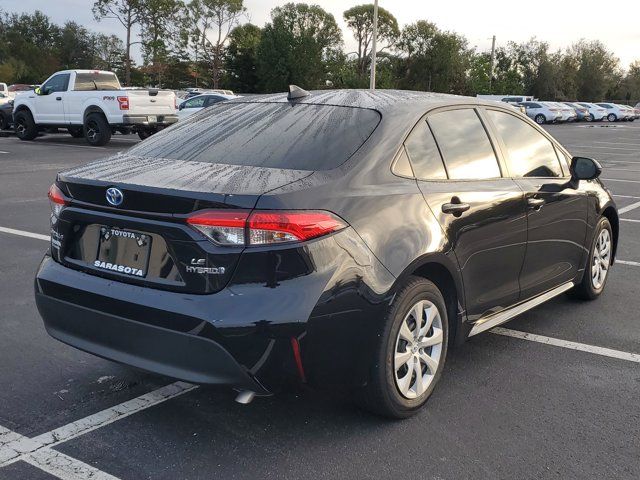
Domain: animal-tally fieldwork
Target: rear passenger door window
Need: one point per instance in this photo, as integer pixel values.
(423, 154)
(464, 145)
(528, 152)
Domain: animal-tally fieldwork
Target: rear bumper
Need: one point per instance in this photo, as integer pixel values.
(144, 119)
(174, 354)
(321, 295)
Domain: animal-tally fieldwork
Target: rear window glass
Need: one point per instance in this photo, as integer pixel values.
(275, 135)
(96, 81)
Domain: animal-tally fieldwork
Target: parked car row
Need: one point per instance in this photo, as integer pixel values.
(558, 112)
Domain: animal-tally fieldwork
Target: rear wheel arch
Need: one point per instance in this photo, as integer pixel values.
(92, 109)
(446, 277)
(612, 215)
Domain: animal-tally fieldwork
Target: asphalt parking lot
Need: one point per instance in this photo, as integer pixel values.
(554, 394)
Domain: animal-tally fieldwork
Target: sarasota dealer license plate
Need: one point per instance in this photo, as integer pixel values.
(124, 252)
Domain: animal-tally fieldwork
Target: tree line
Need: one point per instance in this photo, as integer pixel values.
(211, 44)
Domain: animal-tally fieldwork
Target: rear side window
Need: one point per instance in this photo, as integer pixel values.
(275, 135)
(464, 144)
(529, 153)
(96, 81)
(423, 153)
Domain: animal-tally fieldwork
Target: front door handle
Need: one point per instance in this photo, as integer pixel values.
(535, 203)
(456, 207)
(59, 99)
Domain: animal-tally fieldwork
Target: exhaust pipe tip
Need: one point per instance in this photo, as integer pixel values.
(245, 397)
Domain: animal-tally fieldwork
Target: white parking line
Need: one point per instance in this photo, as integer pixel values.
(22, 233)
(627, 262)
(556, 342)
(619, 143)
(38, 450)
(628, 208)
(629, 220)
(55, 463)
(590, 147)
(620, 180)
(626, 196)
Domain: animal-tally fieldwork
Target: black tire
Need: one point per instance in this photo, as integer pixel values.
(24, 126)
(590, 118)
(97, 130)
(586, 290)
(4, 122)
(612, 117)
(76, 132)
(146, 133)
(382, 394)
(540, 119)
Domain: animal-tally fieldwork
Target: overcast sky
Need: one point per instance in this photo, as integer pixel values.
(559, 22)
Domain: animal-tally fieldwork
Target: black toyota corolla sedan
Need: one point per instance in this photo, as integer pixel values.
(341, 239)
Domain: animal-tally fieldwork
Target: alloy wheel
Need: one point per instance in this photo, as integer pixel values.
(418, 349)
(92, 130)
(601, 260)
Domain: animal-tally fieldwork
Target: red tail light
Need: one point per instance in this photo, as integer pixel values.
(124, 103)
(264, 227)
(57, 199)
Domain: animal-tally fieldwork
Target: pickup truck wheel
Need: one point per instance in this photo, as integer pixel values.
(25, 126)
(144, 134)
(97, 130)
(76, 132)
(4, 122)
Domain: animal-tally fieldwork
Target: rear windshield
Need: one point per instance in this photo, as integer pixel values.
(96, 81)
(275, 135)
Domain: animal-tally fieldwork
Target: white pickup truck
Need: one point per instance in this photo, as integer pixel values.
(92, 104)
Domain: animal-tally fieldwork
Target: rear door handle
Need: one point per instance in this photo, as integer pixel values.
(59, 99)
(455, 208)
(535, 203)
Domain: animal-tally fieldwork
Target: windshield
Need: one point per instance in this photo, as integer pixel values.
(276, 135)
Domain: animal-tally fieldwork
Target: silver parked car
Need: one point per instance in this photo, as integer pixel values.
(542, 113)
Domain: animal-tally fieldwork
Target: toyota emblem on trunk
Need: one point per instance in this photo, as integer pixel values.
(114, 196)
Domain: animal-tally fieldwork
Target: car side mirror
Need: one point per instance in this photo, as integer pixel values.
(181, 107)
(38, 91)
(583, 168)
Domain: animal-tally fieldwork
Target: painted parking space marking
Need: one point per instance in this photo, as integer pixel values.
(628, 208)
(630, 220)
(626, 196)
(628, 262)
(38, 451)
(14, 445)
(22, 233)
(556, 342)
(620, 180)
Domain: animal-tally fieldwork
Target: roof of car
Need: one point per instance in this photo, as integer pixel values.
(381, 100)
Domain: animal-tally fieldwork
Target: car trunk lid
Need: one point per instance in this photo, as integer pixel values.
(145, 239)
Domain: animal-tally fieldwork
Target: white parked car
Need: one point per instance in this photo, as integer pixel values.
(596, 112)
(4, 93)
(615, 113)
(568, 113)
(542, 112)
(195, 104)
(91, 103)
(631, 113)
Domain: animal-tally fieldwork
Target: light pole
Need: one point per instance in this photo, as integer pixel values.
(374, 47)
(493, 63)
